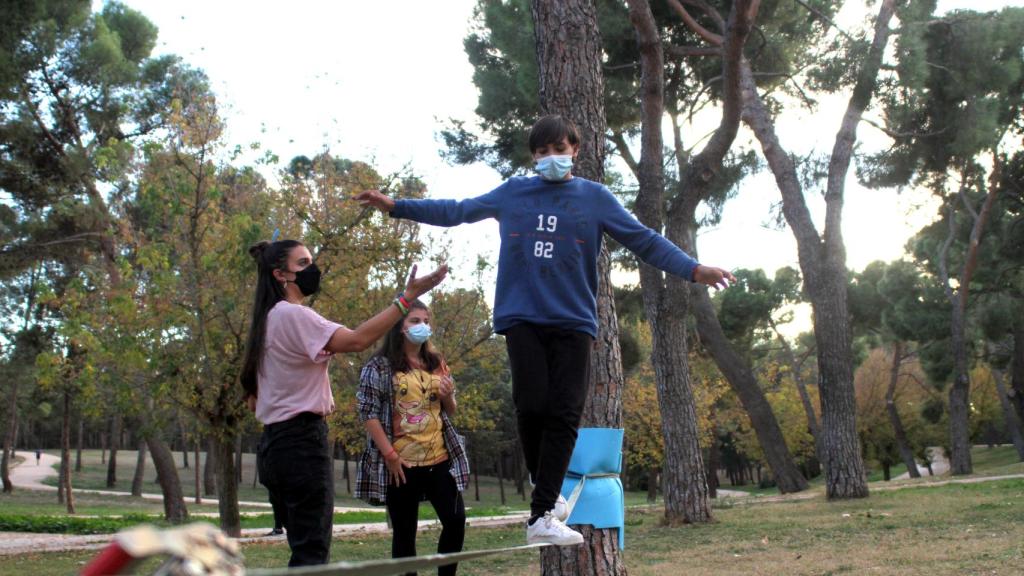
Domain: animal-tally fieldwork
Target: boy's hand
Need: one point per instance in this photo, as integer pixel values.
(717, 278)
(376, 199)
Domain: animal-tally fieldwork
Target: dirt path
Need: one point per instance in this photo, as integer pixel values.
(29, 476)
(940, 465)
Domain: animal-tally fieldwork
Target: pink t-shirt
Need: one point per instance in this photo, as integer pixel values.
(293, 370)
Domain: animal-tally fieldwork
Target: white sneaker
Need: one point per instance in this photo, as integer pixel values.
(550, 530)
(561, 510)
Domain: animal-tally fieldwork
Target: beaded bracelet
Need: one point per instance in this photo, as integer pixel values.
(403, 308)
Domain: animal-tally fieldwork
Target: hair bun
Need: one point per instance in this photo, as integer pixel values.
(257, 249)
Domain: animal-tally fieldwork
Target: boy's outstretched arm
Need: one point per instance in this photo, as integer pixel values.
(656, 250)
(436, 212)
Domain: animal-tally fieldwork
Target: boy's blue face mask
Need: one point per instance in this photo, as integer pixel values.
(419, 333)
(554, 167)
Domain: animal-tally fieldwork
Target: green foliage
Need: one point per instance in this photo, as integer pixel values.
(959, 90)
(746, 309)
(72, 524)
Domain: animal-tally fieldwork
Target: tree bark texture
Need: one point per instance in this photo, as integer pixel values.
(210, 468)
(667, 299)
(906, 453)
(568, 48)
(959, 392)
(9, 434)
(1016, 391)
(227, 486)
(78, 444)
(115, 444)
(1014, 428)
(823, 263)
(65, 454)
(175, 511)
(140, 467)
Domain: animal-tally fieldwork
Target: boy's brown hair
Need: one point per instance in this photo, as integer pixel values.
(551, 129)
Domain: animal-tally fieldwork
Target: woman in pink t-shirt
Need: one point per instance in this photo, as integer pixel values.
(284, 376)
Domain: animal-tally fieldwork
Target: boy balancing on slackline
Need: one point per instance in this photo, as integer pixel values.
(545, 302)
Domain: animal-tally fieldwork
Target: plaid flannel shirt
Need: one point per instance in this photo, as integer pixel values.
(374, 399)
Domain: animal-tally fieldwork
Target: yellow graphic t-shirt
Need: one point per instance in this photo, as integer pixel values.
(417, 420)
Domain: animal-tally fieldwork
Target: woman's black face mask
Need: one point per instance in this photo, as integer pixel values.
(308, 280)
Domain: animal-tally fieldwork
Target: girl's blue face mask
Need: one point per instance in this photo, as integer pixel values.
(418, 333)
(554, 167)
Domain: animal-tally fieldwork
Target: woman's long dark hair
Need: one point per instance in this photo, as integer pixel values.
(393, 346)
(269, 256)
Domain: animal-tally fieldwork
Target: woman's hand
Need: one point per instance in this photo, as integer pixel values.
(376, 199)
(717, 278)
(394, 462)
(250, 401)
(446, 388)
(416, 287)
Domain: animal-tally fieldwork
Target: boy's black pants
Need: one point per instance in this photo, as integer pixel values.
(436, 483)
(550, 375)
(295, 465)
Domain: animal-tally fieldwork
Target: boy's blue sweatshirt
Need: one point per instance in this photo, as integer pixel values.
(550, 242)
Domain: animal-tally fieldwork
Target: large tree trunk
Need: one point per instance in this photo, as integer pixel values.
(140, 467)
(184, 444)
(1013, 424)
(666, 298)
(115, 444)
(9, 434)
(959, 399)
(740, 376)
(1016, 391)
(170, 485)
(227, 485)
(959, 392)
(906, 453)
(568, 48)
(238, 459)
(78, 444)
(501, 473)
(65, 454)
(196, 468)
(823, 263)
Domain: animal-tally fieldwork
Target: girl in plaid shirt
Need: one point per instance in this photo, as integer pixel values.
(405, 399)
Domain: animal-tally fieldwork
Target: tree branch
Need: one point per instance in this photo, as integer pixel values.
(974, 247)
(825, 19)
(711, 12)
(842, 151)
(619, 141)
(708, 36)
(703, 168)
(681, 52)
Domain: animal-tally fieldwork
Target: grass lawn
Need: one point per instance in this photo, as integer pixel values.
(925, 530)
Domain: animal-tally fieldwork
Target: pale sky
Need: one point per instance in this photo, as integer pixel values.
(374, 81)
